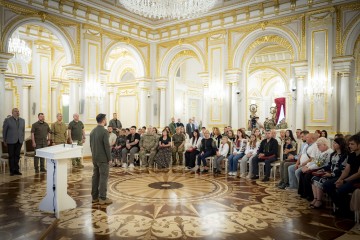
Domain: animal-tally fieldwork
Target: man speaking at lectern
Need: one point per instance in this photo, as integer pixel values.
(100, 149)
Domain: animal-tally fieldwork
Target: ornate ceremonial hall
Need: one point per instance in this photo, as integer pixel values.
(273, 64)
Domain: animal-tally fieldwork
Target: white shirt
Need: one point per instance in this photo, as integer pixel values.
(242, 146)
(250, 149)
(196, 144)
(312, 151)
(112, 139)
(324, 157)
(224, 149)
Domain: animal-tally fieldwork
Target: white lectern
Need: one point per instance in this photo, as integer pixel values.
(56, 188)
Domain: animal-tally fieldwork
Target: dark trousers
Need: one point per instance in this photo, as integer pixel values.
(305, 189)
(99, 180)
(190, 158)
(255, 165)
(36, 159)
(202, 158)
(340, 196)
(14, 156)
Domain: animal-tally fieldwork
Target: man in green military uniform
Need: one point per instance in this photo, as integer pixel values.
(179, 141)
(115, 124)
(58, 131)
(76, 135)
(40, 136)
(148, 144)
(172, 126)
(101, 157)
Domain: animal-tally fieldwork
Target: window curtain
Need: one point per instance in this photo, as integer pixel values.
(280, 102)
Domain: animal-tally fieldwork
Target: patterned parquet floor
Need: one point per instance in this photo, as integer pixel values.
(165, 205)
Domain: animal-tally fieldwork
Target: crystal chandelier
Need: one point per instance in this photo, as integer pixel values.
(19, 48)
(316, 91)
(172, 9)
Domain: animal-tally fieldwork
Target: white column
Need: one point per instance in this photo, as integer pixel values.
(162, 108)
(25, 114)
(54, 105)
(142, 107)
(206, 99)
(343, 66)
(345, 102)
(4, 58)
(2, 96)
(74, 98)
(111, 103)
(299, 112)
(232, 78)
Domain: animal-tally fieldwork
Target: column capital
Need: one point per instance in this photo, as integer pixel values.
(161, 82)
(343, 64)
(74, 72)
(300, 69)
(233, 75)
(205, 77)
(4, 58)
(143, 82)
(104, 74)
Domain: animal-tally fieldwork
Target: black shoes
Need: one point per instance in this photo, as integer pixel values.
(43, 170)
(254, 177)
(265, 179)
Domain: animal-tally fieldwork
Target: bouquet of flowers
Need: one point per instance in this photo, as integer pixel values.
(321, 159)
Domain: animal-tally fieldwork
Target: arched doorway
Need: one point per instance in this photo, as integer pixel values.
(42, 85)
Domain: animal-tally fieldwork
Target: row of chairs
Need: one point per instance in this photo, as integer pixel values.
(275, 165)
(25, 155)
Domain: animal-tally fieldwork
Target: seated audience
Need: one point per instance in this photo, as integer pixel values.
(321, 159)
(309, 151)
(238, 151)
(339, 189)
(267, 153)
(207, 149)
(178, 141)
(193, 149)
(132, 147)
(231, 136)
(332, 171)
(288, 148)
(148, 144)
(216, 135)
(324, 134)
(163, 156)
(250, 151)
(119, 145)
(221, 154)
(287, 162)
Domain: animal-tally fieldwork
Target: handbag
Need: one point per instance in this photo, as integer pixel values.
(267, 157)
(191, 150)
(319, 173)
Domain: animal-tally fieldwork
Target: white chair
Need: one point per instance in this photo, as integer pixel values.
(4, 157)
(275, 165)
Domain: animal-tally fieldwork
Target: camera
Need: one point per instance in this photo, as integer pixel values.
(148, 95)
(293, 89)
(237, 92)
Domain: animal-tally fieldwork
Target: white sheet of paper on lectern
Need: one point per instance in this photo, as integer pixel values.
(58, 199)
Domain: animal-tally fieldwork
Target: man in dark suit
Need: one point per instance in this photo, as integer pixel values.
(13, 134)
(190, 128)
(179, 123)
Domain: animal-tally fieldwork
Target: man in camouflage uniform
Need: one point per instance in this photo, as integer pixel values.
(178, 146)
(148, 144)
(58, 131)
(282, 124)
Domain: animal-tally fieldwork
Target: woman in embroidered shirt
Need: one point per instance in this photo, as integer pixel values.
(193, 150)
(332, 170)
(250, 152)
(221, 154)
(238, 152)
(321, 159)
(258, 134)
(163, 156)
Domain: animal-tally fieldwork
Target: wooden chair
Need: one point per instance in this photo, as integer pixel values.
(29, 152)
